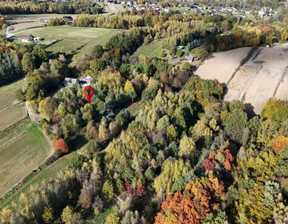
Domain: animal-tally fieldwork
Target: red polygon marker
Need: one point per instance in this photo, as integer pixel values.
(88, 96)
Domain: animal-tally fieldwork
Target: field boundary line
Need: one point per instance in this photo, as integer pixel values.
(7, 108)
(13, 139)
(280, 81)
(244, 61)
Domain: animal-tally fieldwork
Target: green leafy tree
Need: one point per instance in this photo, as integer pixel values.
(48, 215)
(67, 214)
(129, 89)
(107, 190)
(47, 107)
(112, 219)
(28, 62)
(171, 171)
(187, 145)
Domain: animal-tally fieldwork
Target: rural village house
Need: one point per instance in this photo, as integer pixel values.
(86, 81)
(83, 81)
(27, 38)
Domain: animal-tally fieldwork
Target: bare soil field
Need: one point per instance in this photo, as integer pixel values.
(22, 26)
(263, 76)
(222, 65)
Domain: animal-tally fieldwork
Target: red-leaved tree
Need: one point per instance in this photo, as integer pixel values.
(60, 144)
(199, 198)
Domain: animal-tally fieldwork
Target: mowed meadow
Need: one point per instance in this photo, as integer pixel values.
(65, 39)
(23, 147)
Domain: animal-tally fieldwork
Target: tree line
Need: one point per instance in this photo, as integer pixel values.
(32, 7)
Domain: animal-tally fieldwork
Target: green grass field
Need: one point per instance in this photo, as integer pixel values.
(50, 172)
(71, 38)
(18, 158)
(150, 50)
(11, 116)
(180, 9)
(7, 94)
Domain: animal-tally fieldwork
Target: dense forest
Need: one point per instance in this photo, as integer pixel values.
(36, 7)
(161, 145)
(160, 135)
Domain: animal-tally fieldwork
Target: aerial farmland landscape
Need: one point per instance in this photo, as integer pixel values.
(125, 112)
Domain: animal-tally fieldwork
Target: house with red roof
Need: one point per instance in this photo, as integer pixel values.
(27, 38)
(86, 81)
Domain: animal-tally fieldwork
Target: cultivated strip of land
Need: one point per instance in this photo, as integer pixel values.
(44, 175)
(71, 39)
(11, 116)
(20, 157)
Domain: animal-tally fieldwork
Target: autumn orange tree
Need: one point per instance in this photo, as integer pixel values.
(60, 144)
(199, 198)
(279, 144)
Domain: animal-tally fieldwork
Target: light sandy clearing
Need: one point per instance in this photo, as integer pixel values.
(222, 65)
(113, 8)
(263, 76)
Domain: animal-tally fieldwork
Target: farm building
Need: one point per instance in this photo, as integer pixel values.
(86, 81)
(26, 38)
(190, 58)
(70, 81)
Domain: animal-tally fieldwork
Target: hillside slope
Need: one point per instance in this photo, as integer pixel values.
(263, 76)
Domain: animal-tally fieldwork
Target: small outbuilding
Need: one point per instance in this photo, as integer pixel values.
(70, 81)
